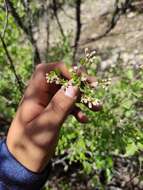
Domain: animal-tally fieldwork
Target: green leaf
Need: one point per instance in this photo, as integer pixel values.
(131, 149)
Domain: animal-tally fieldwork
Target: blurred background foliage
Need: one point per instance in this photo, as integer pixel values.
(116, 131)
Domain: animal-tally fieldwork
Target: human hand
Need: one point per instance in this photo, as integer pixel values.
(33, 135)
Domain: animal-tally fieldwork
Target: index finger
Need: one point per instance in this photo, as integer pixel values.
(38, 88)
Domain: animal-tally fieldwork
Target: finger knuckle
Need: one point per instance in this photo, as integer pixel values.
(40, 66)
(59, 106)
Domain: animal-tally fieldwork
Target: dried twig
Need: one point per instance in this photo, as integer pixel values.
(78, 27)
(57, 18)
(66, 14)
(16, 16)
(19, 82)
(27, 30)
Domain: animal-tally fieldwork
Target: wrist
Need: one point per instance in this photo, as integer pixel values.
(32, 154)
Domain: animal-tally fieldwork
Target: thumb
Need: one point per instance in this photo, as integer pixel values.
(59, 107)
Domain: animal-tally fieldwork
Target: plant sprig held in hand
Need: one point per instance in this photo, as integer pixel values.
(88, 90)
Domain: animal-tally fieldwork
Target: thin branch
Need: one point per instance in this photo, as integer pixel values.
(6, 20)
(126, 5)
(16, 16)
(115, 17)
(78, 27)
(66, 14)
(57, 18)
(19, 82)
(26, 5)
(26, 30)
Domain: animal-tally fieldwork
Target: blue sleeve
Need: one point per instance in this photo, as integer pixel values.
(3, 186)
(14, 176)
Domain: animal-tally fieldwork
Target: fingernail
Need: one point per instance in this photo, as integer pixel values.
(71, 91)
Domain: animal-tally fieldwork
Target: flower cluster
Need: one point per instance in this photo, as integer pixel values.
(90, 56)
(53, 77)
(90, 101)
(79, 79)
(89, 59)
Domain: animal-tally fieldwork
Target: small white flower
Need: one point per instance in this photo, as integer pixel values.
(86, 51)
(93, 53)
(57, 82)
(89, 104)
(96, 102)
(83, 78)
(85, 101)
